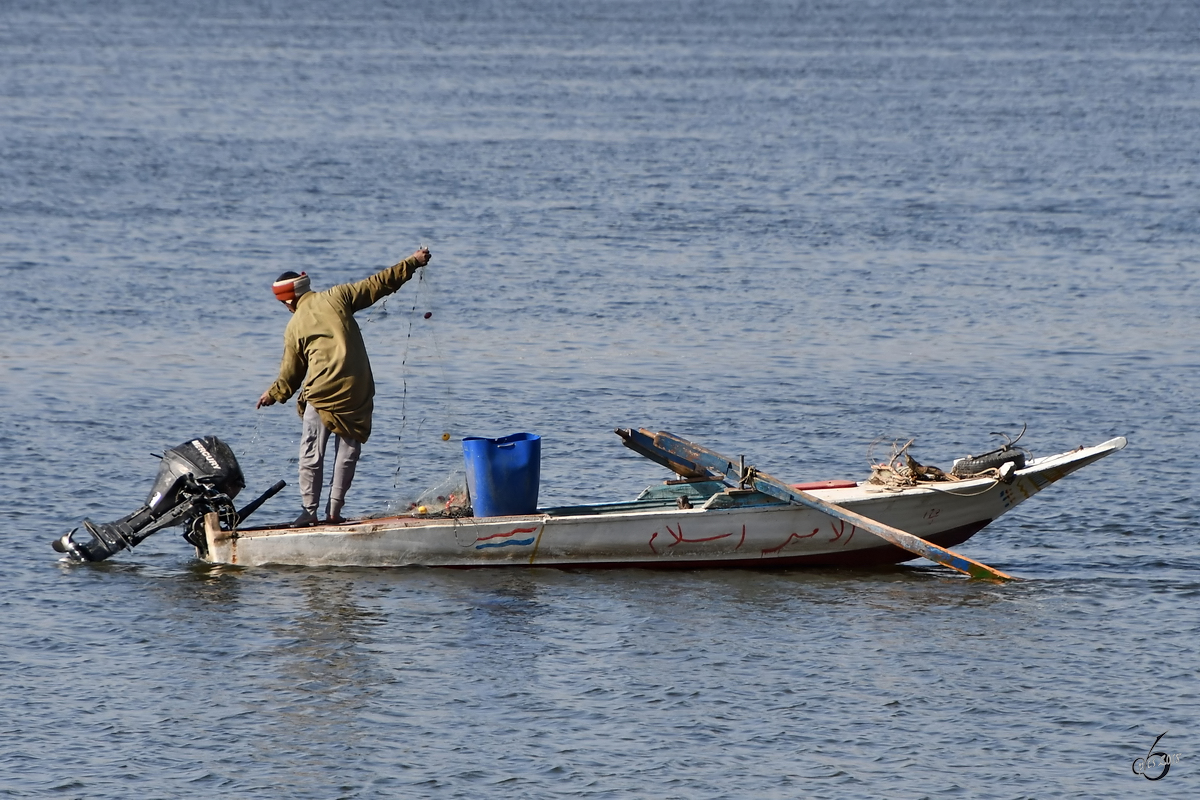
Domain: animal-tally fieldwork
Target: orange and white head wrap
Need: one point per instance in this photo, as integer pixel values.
(290, 286)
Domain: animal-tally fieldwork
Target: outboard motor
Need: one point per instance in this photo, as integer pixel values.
(195, 478)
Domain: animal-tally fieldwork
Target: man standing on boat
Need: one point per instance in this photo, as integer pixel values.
(325, 359)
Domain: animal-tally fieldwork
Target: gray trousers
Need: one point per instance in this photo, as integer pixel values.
(313, 439)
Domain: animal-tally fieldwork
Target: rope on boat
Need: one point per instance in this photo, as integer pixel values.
(902, 471)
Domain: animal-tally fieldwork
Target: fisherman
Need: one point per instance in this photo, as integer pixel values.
(325, 359)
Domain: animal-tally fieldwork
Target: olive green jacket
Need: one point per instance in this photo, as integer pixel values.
(324, 356)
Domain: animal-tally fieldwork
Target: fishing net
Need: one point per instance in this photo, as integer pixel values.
(447, 498)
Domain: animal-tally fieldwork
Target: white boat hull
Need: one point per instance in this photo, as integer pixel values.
(756, 532)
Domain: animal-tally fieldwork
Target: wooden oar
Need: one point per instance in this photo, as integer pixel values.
(675, 452)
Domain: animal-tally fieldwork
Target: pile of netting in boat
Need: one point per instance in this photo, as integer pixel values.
(447, 498)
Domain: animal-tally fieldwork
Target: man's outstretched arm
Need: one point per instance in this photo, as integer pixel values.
(370, 291)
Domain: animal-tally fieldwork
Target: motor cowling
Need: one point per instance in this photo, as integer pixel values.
(209, 461)
(197, 477)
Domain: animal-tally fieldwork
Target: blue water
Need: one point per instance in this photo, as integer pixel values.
(790, 230)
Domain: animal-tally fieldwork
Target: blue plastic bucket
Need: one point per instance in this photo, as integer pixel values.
(503, 474)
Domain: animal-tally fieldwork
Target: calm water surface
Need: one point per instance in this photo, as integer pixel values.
(782, 229)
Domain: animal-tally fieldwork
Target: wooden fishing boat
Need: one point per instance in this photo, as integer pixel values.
(715, 514)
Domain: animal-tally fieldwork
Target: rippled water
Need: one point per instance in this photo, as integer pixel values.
(781, 229)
